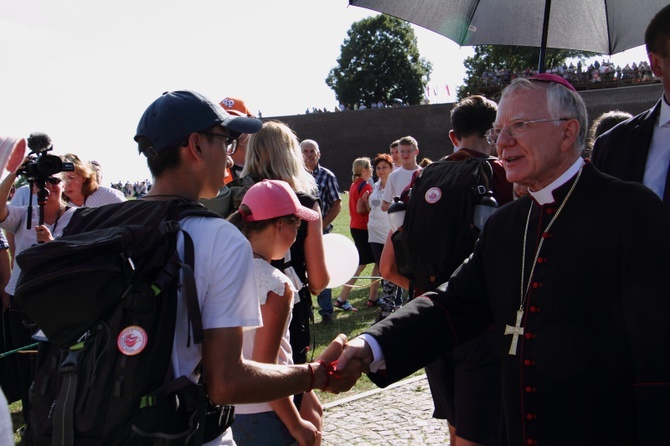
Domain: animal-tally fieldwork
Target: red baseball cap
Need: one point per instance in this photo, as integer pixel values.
(274, 198)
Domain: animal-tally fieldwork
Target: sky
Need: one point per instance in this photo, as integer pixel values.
(84, 71)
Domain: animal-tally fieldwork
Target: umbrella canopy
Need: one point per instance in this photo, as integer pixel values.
(601, 26)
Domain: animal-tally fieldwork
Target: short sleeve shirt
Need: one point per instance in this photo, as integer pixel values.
(329, 189)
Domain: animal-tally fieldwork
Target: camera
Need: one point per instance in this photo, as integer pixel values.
(42, 166)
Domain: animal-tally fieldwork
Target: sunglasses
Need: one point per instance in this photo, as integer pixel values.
(54, 180)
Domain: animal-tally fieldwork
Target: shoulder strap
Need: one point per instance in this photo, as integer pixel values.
(190, 291)
(361, 186)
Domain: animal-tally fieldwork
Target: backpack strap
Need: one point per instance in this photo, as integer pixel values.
(361, 186)
(63, 412)
(190, 291)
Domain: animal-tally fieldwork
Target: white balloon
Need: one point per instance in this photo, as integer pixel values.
(341, 258)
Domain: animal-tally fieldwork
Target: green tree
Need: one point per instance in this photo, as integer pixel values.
(516, 59)
(379, 61)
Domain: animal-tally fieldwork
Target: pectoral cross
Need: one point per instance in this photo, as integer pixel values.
(515, 331)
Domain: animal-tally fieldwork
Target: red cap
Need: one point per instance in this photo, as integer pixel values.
(236, 106)
(273, 198)
(546, 77)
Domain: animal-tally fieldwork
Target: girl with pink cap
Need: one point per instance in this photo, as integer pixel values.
(269, 216)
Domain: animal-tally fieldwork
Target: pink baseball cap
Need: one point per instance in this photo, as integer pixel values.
(273, 198)
(547, 77)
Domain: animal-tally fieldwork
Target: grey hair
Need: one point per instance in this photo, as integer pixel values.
(561, 103)
(310, 142)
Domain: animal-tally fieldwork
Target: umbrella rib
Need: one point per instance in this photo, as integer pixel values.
(607, 25)
(471, 16)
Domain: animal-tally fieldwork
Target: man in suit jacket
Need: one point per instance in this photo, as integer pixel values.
(639, 149)
(568, 277)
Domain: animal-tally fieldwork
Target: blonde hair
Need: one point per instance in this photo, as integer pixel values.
(89, 176)
(274, 154)
(358, 166)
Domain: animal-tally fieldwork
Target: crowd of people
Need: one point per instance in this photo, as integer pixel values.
(599, 73)
(134, 190)
(553, 330)
(357, 106)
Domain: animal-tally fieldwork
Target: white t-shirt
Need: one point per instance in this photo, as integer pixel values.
(268, 278)
(397, 182)
(25, 238)
(224, 275)
(378, 220)
(102, 196)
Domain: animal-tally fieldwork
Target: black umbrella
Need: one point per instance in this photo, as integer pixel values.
(600, 26)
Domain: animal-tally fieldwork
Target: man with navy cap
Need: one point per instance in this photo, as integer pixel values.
(186, 138)
(571, 281)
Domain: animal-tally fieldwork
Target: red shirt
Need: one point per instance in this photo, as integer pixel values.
(358, 188)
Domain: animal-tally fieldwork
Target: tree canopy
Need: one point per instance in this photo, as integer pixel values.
(491, 59)
(379, 62)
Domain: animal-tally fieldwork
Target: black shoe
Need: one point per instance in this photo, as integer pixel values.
(326, 318)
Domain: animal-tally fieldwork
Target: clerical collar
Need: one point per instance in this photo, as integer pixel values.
(546, 194)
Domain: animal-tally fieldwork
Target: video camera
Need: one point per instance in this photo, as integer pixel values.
(37, 170)
(42, 166)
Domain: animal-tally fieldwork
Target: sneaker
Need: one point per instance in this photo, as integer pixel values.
(375, 303)
(346, 306)
(326, 318)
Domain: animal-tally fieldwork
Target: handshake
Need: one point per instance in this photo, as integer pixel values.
(344, 363)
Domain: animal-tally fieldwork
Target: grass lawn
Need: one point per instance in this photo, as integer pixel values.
(348, 322)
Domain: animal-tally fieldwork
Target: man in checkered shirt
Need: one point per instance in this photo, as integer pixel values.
(331, 205)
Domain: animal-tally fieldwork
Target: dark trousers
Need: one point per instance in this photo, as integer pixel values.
(21, 328)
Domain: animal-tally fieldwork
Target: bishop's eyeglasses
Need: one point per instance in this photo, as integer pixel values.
(515, 129)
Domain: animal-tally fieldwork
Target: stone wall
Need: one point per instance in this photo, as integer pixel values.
(344, 136)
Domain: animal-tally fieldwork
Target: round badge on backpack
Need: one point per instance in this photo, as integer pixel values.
(132, 340)
(433, 195)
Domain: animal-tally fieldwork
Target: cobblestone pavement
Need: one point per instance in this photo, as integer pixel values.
(399, 415)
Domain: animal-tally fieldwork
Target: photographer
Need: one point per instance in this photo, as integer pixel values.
(14, 220)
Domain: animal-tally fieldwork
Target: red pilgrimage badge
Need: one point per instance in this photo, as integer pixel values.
(132, 340)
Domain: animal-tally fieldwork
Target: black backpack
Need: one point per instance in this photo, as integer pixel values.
(438, 232)
(105, 296)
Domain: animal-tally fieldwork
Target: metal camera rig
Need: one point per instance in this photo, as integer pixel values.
(38, 168)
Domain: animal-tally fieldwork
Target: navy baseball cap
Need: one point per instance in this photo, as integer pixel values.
(171, 118)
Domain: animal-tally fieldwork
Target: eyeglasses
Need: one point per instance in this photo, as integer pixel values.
(516, 129)
(54, 180)
(230, 142)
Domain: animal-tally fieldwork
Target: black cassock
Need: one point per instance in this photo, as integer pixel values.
(593, 364)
